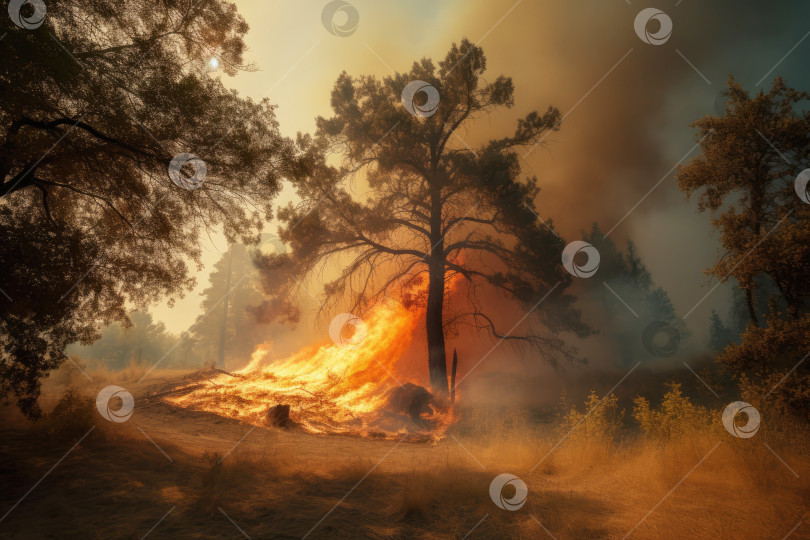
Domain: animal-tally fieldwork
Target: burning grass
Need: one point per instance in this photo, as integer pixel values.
(332, 388)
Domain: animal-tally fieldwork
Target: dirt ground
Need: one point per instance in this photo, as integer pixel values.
(173, 473)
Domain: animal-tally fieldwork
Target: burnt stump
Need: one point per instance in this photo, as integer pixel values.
(279, 416)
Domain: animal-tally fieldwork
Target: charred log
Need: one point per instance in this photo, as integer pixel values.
(279, 416)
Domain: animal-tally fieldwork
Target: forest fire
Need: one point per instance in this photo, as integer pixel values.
(351, 386)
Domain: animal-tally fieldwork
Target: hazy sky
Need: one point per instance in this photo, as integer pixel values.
(627, 104)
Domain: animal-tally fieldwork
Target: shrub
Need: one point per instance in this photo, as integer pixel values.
(676, 416)
(69, 373)
(600, 421)
(71, 418)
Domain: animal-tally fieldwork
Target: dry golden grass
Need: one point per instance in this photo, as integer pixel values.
(131, 373)
(599, 482)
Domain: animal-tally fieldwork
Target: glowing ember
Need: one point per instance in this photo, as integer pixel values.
(331, 388)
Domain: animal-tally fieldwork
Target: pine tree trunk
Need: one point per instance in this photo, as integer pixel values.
(437, 362)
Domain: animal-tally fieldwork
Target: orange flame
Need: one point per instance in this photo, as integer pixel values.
(331, 388)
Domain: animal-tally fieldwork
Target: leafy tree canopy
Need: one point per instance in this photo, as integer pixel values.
(96, 102)
(437, 211)
(746, 176)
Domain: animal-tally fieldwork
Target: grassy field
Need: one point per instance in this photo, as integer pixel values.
(170, 473)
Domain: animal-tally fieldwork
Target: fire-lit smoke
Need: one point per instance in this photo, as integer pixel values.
(338, 387)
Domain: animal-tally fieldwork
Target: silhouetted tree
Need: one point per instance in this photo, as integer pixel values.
(720, 335)
(94, 105)
(235, 333)
(143, 343)
(630, 283)
(723, 332)
(436, 209)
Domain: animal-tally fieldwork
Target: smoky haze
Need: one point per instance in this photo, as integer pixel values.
(627, 107)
